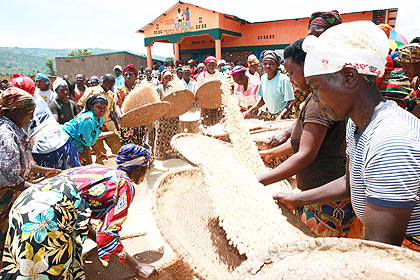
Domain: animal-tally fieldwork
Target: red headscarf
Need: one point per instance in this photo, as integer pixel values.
(210, 59)
(130, 67)
(24, 83)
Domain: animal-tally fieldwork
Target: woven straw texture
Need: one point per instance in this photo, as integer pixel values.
(145, 114)
(184, 214)
(209, 95)
(333, 258)
(181, 102)
(168, 266)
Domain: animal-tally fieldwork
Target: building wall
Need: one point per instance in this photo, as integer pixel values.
(98, 65)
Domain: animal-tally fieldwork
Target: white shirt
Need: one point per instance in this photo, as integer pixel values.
(47, 95)
(153, 82)
(191, 86)
(256, 75)
(206, 76)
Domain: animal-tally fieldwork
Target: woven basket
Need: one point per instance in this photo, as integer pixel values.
(185, 216)
(182, 101)
(209, 95)
(333, 258)
(168, 266)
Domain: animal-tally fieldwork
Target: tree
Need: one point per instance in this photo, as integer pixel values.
(80, 52)
(49, 62)
(169, 59)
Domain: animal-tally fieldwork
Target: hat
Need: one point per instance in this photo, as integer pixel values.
(118, 67)
(222, 61)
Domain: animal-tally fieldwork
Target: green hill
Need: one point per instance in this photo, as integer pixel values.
(30, 61)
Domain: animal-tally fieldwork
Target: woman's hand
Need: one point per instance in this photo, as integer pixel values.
(287, 199)
(145, 270)
(51, 171)
(267, 155)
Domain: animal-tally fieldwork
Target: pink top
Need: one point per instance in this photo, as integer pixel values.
(249, 97)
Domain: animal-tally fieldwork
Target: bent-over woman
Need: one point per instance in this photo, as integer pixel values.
(49, 221)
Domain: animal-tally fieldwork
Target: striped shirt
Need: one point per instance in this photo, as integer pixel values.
(384, 163)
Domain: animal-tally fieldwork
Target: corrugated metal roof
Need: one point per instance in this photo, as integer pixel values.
(154, 57)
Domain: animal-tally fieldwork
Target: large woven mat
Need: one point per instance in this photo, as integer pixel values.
(185, 216)
(333, 258)
(167, 264)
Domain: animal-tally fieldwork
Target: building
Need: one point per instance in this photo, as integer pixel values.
(196, 32)
(99, 64)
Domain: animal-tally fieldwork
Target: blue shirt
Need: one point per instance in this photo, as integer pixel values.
(84, 130)
(119, 81)
(276, 92)
(384, 163)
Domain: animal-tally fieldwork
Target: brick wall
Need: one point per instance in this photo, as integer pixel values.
(234, 57)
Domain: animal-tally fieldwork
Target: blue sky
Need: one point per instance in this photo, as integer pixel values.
(112, 24)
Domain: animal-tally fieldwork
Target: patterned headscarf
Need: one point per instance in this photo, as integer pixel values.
(94, 79)
(132, 156)
(24, 83)
(210, 59)
(409, 53)
(252, 60)
(325, 19)
(238, 70)
(271, 55)
(42, 77)
(15, 98)
(94, 99)
(130, 67)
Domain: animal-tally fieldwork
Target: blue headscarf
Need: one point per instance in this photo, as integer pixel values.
(42, 77)
(131, 156)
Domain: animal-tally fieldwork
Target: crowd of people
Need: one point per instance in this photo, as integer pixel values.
(354, 151)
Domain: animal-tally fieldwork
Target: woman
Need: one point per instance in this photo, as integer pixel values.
(166, 128)
(318, 147)
(275, 89)
(246, 87)
(50, 220)
(129, 135)
(383, 170)
(62, 107)
(94, 81)
(85, 129)
(50, 146)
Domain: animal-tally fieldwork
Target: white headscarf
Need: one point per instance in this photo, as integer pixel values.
(58, 82)
(360, 44)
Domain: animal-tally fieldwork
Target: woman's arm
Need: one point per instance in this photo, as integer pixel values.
(310, 142)
(254, 108)
(87, 153)
(281, 136)
(284, 149)
(338, 189)
(46, 171)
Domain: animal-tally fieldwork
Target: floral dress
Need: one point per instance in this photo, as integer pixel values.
(49, 222)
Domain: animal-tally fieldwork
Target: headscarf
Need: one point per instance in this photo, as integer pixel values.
(272, 56)
(186, 68)
(385, 28)
(210, 59)
(94, 99)
(118, 67)
(325, 19)
(222, 61)
(360, 44)
(238, 70)
(190, 61)
(16, 75)
(24, 83)
(42, 77)
(166, 72)
(130, 67)
(409, 53)
(225, 68)
(252, 60)
(15, 98)
(94, 78)
(59, 82)
(132, 156)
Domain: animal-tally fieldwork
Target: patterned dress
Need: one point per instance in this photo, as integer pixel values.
(49, 222)
(14, 166)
